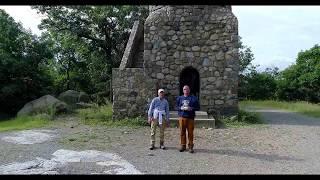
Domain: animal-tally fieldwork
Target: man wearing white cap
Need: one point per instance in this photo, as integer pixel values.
(158, 114)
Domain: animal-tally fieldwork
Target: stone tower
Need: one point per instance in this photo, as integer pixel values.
(180, 45)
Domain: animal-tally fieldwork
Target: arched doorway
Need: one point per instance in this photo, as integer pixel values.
(190, 76)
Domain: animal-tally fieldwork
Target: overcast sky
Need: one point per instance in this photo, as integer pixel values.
(275, 33)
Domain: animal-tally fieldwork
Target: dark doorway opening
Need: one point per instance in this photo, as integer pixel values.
(190, 76)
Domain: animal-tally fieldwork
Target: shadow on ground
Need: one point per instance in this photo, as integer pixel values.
(281, 117)
(267, 157)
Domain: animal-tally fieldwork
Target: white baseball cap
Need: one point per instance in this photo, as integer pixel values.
(160, 90)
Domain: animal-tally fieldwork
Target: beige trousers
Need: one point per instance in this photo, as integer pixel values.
(154, 125)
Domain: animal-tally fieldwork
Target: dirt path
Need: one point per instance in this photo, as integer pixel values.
(288, 144)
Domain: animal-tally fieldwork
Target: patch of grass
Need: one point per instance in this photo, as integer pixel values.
(102, 115)
(302, 107)
(242, 119)
(99, 113)
(25, 122)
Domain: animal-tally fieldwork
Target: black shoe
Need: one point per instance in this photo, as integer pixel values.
(151, 147)
(191, 149)
(183, 148)
(162, 147)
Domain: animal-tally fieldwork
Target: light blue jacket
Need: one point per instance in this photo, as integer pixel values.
(161, 105)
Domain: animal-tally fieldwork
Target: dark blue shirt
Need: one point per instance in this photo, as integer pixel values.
(191, 101)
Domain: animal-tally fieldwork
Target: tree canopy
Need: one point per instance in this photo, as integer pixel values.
(89, 42)
(24, 62)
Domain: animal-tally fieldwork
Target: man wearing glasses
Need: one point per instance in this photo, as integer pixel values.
(186, 105)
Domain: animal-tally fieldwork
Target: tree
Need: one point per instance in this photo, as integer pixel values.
(24, 62)
(246, 68)
(261, 85)
(254, 84)
(246, 57)
(301, 81)
(96, 36)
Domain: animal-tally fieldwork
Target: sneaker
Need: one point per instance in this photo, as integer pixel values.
(162, 147)
(151, 147)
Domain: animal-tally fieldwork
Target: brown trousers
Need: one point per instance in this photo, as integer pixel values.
(186, 124)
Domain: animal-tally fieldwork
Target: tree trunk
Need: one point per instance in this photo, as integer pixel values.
(68, 81)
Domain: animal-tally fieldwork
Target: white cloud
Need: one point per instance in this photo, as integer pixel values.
(281, 62)
(27, 16)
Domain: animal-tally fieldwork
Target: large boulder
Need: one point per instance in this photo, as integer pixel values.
(84, 97)
(72, 97)
(45, 104)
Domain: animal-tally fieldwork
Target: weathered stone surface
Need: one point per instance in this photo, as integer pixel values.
(73, 97)
(135, 36)
(160, 63)
(195, 48)
(46, 104)
(214, 37)
(160, 76)
(138, 89)
(84, 97)
(177, 37)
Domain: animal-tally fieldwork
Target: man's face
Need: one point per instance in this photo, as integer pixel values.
(161, 94)
(186, 90)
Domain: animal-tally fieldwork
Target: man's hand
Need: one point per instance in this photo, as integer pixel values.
(186, 109)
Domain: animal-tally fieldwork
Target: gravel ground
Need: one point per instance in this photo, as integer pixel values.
(288, 144)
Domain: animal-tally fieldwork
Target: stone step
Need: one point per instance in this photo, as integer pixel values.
(199, 114)
(198, 123)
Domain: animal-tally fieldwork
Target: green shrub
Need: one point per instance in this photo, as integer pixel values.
(242, 119)
(102, 115)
